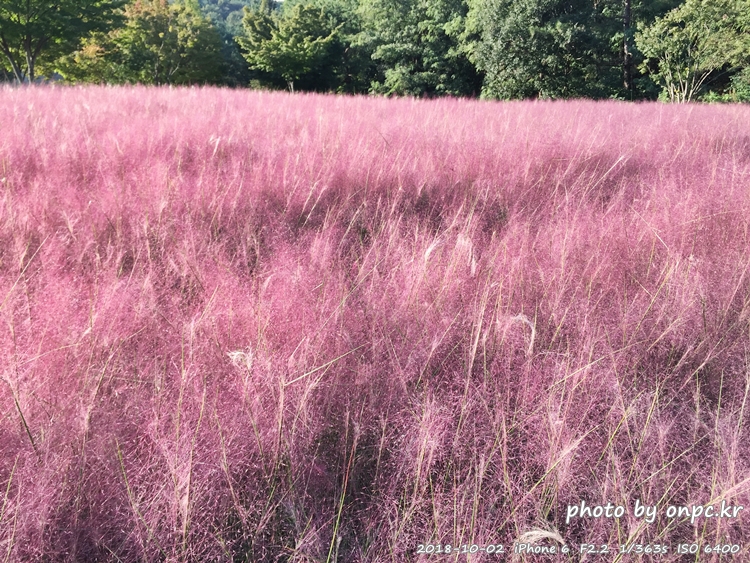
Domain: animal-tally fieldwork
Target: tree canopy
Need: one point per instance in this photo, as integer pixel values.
(160, 43)
(300, 46)
(678, 50)
(417, 47)
(692, 43)
(30, 29)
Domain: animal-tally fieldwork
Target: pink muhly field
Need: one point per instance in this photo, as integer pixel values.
(251, 326)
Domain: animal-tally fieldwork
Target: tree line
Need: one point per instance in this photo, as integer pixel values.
(677, 50)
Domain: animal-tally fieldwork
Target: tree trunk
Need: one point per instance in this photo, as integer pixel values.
(32, 56)
(30, 67)
(627, 56)
(16, 70)
(14, 65)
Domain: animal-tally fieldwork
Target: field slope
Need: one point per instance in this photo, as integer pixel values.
(247, 326)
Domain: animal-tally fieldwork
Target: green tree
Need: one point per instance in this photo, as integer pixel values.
(227, 15)
(691, 44)
(30, 29)
(352, 67)
(300, 47)
(222, 10)
(160, 43)
(560, 48)
(637, 12)
(95, 61)
(418, 47)
(547, 48)
(739, 90)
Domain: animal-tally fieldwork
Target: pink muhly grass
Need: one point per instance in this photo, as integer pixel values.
(250, 326)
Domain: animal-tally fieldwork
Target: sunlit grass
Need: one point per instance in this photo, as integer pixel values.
(244, 326)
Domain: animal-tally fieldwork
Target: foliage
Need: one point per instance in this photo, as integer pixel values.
(160, 43)
(299, 46)
(642, 12)
(97, 61)
(417, 46)
(353, 68)
(735, 89)
(33, 29)
(690, 44)
(226, 16)
(559, 48)
(740, 90)
(678, 50)
(547, 48)
(226, 10)
(6, 75)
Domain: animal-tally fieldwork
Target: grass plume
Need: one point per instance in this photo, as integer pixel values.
(251, 326)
